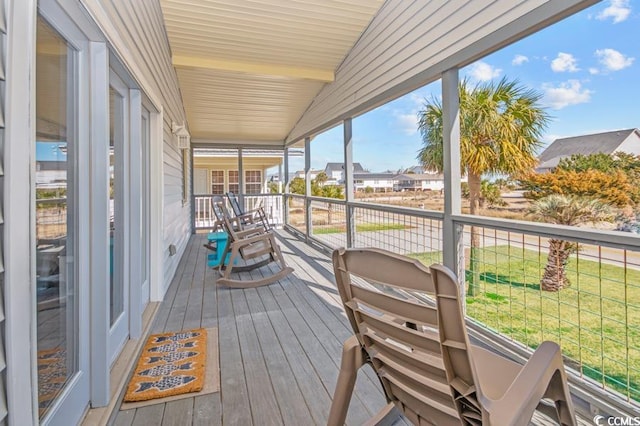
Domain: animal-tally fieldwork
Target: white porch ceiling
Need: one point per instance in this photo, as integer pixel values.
(248, 69)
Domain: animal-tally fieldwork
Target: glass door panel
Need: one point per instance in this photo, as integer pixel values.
(56, 213)
(118, 278)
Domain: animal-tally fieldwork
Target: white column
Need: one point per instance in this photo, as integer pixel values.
(451, 234)
(348, 179)
(241, 187)
(285, 190)
(307, 184)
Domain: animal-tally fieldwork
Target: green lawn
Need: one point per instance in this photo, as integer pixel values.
(365, 227)
(596, 320)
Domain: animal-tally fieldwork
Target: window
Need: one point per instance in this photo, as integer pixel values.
(253, 181)
(234, 185)
(217, 182)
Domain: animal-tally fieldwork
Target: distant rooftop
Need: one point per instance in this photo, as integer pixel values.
(606, 143)
(334, 167)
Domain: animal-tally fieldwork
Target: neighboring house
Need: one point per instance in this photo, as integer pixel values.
(312, 174)
(215, 171)
(379, 182)
(335, 172)
(418, 182)
(627, 140)
(51, 174)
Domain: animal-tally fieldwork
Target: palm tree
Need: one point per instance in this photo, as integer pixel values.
(565, 210)
(500, 129)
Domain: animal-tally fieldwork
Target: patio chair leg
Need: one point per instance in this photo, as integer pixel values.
(352, 360)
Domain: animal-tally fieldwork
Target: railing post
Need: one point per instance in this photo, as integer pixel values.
(348, 181)
(453, 249)
(193, 198)
(241, 190)
(307, 186)
(285, 204)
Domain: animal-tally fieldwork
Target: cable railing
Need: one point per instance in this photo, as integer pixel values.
(508, 278)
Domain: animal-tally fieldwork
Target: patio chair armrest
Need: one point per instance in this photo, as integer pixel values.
(254, 239)
(544, 369)
(249, 232)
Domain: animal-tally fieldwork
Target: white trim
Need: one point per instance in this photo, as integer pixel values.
(134, 215)
(19, 230)
(156, 205)
(99, 234)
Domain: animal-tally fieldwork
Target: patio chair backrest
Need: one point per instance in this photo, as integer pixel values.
(399, 334)
(235, 204)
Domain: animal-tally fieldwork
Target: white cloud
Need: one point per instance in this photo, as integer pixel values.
(567, 93)
(481, 71)
(519, 60)
(565, 62)
(618, 10)
(594, 71)
(612, 60)
(408, 123)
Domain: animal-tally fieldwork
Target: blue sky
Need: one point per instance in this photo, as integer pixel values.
(586, 66)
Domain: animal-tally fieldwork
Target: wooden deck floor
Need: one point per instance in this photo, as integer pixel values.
(280, 345)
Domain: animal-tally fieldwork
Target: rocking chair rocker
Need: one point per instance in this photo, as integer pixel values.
(256, 246)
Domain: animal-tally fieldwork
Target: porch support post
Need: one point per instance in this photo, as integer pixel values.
(192, 195)
(453, 250)
(348, 180)
(307, 185)
(240, 179)
(285, 190)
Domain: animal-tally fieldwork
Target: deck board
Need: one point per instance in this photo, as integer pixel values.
(280, 345)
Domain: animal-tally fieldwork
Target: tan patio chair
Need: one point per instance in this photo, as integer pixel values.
(419, 349)
(256, 247)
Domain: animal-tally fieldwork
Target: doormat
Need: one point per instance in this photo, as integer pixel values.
(52, 375)
(170, 364)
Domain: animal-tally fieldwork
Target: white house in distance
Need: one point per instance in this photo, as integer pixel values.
(627, 140)
(378, 182)
(335, 172)
(419, 182)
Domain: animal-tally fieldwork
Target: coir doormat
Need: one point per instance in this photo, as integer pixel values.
(170, 364)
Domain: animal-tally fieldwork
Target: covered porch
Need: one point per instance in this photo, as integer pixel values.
(279, 346)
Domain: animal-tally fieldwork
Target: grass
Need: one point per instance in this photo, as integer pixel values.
(596, 320)
(365, 227)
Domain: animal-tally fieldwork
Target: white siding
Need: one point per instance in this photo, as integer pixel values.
(136, 31)
(3, 30)
(409, 44)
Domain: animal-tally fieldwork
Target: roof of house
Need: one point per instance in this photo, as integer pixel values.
(370, 176)
(420, 176)
(606, 143)
(334, 167)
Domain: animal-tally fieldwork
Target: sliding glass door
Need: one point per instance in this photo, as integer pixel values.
(61, 358)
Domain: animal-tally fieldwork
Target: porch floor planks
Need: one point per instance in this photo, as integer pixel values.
(280, 345)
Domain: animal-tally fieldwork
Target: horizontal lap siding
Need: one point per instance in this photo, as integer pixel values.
(3, 402)
(136, 30)
(409, 44)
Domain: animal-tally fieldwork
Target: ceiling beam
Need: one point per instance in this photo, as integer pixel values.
(326, 76)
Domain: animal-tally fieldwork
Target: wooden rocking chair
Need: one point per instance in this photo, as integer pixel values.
(255, 245)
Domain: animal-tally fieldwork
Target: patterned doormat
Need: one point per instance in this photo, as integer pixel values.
(170, 364)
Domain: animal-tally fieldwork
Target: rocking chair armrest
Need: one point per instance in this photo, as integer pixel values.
(249, 232)
(254, 239)
(530, 386)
